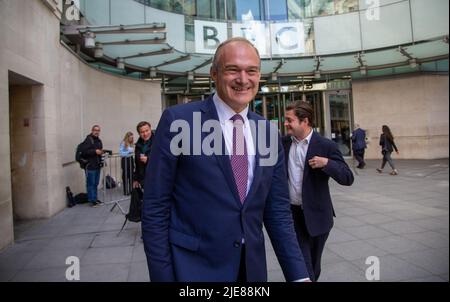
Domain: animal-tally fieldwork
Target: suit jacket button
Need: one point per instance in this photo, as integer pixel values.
(236, 244)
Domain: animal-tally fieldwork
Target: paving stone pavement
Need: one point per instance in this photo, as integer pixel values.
(402, 220)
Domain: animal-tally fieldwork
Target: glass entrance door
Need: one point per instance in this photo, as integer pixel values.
(339, 103)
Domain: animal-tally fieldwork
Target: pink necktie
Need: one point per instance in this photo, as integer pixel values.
(239, 159)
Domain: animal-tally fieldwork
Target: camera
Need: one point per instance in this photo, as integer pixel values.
(105, 154)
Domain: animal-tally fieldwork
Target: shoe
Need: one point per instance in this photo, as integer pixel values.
(379, 170)
(94, 204)
(99, 202)
(394, 172)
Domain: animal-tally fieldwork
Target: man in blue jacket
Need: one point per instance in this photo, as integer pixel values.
(359, 145)
(203, 213)
(311, 160)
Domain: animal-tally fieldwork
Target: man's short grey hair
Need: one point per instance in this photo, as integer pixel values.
(215, 61)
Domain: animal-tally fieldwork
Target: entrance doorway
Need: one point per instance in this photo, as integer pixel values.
(27, 143)
(339, 119)
(273, 105)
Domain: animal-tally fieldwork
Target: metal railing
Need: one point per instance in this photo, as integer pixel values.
(117, 180)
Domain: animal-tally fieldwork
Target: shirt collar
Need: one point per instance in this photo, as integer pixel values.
(225, 112)
(305, 141)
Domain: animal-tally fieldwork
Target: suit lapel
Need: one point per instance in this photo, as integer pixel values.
(210, 113)
(310, 154)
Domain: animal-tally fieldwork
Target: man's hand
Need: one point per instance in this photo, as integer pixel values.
(318, 162)
(143, 158)
(136, 184)
(98, 151)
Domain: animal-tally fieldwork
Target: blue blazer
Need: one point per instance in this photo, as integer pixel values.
(316, 199)
(359, 139)
(193, 222)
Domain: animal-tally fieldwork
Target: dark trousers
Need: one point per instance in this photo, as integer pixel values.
(242, 275)
(359, 156)
(312, 247)
(127, 174)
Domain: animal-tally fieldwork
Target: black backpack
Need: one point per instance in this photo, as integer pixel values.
(110, 182)
(70, 199)
(79, 154)
(81, 198)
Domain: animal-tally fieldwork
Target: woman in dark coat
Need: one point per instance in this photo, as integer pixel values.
(387, 147)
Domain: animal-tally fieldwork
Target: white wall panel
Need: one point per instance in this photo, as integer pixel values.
(337, 34)
(393, 27)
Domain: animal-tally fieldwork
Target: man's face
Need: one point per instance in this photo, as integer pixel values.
(145, 132)
(237, 76)
(295, 126)
(95, 131)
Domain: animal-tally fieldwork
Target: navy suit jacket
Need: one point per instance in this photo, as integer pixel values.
(359, 139)
(193, 222)
(316, 199)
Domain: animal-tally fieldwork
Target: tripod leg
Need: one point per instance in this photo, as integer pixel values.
(125, 222)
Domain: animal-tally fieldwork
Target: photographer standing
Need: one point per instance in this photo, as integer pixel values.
(92, 150)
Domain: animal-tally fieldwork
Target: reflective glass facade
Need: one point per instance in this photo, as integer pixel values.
(256, 9)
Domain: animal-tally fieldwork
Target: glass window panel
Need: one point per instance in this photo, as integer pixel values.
(392, 28)
(345, 6)
(276, 10)
(207, 9)
(295, 9)
(244, 10)
(161, 4)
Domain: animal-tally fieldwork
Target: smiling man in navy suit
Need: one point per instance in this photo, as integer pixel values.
(311, 160)
(203, 214)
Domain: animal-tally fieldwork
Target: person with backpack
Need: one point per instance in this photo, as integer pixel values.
(91, 150)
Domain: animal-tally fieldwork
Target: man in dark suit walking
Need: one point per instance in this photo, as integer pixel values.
(359, 145)
(311, 160)
(203, 213)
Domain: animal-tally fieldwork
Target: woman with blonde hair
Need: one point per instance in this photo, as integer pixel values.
(126, 151)
(387, 147)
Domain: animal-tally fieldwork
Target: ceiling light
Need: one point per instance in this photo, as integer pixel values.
(152, 72)
(317, 74)
(98, 52)
(120, 63)
(274, 76)
(89, 39)
(363, 70)
(413, 63)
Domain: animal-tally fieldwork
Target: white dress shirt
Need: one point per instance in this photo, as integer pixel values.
(296, 167)
(225, 113)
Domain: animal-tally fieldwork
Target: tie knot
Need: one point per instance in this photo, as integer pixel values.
(237, 117)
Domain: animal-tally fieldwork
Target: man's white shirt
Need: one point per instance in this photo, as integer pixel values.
(296, 167)
(225, 113)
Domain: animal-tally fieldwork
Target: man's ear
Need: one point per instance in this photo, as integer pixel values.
(213, 74)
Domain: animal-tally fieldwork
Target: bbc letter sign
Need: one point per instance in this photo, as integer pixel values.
(287, 38)
(208, 35)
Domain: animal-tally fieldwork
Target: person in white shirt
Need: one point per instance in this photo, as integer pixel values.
(311, 160)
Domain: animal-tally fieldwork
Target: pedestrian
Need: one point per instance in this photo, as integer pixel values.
(311, 160)
(359, 145)
(126, 151)
(203, 214)
(387, 147)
